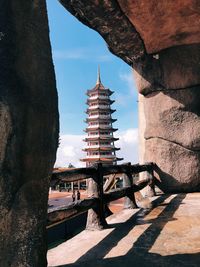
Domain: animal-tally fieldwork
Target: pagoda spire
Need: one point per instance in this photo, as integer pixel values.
(98, 76)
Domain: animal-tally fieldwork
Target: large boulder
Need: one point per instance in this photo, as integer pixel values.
(160, 40)
(28, 131)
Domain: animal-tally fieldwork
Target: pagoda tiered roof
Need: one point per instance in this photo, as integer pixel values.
(99, 112)
(101, 159)
(101, 148)
(93, 129)
(100, 120)
(99, 87)
(109, 110)
(101, 138)
(100, 101)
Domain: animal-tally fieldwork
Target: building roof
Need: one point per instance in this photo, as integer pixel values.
(101, 148)
(100, 101)
(93, 129)
(101, 138)
(99, 87)
(100, 120)
(106, 109)
(100, 159)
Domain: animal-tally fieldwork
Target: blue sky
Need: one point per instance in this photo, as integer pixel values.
(77, 51)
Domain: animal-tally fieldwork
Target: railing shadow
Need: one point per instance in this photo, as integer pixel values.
(139, 254)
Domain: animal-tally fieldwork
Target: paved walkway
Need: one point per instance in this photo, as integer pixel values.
(166, 235)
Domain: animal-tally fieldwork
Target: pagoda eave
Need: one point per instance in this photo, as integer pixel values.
(100, 101)
(100, 129)
(98, 160)
(100, 120)
(111, 139)
(100, 110)
(95, 90)
(101, 149)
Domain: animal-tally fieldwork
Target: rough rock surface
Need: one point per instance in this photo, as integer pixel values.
(166, 60)
(170, 115)
(174, 116)
(170, 22)
(171, 69)
(28, 103)
(177, 167)
(28, 131)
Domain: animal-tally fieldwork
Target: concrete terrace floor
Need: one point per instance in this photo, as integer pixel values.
(166, 235)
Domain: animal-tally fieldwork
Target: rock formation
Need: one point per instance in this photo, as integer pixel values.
(160, 40)
(28, 131)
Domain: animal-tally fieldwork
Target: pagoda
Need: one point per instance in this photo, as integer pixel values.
(100, 139)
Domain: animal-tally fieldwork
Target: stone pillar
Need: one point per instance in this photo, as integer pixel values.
(169, 105)
(28, 131)
(96, 216)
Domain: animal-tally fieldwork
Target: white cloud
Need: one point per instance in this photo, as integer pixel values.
(68, 54)
(70, 148)
(70, 151)
(128, 144)
(121, 99)
(104, 58)
(82, 54)
(129, 89)
(129, 80)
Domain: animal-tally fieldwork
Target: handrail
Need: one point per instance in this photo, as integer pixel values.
(97, 199)
(76, 174)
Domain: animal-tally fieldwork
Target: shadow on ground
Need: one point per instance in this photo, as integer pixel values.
(139, 254)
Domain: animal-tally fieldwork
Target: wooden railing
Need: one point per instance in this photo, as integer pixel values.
(97, 199)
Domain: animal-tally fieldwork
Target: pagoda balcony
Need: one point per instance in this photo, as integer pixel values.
(98, 157)
(98, 97)
(102, 126)
(100, 117)
(99, 107)
(97, 136)
(100, 120)
(100, 146)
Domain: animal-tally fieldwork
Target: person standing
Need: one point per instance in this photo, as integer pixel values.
(73, 196)
(78, 194)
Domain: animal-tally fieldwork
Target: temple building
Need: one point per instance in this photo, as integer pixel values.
(100, 139)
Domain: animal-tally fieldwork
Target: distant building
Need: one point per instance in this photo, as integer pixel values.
(100, 139)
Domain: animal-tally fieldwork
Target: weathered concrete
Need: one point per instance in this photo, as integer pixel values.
(167, 235)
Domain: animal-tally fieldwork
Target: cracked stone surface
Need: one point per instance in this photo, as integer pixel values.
(166, 235)
(160, 40)
(169, 119)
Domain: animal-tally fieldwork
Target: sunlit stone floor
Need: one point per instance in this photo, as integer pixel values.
(166, 235)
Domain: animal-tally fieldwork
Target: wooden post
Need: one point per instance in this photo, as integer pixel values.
(96, 216)
(72, 186)
(150, 189)
(129, 200)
